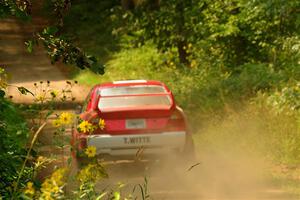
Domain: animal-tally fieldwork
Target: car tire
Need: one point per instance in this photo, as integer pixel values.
(189, 153)
(77, 160)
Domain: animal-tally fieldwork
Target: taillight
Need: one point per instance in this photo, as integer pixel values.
(176, 115)
(98, 123)
(176, 122)
(95, 120)
(91, 117)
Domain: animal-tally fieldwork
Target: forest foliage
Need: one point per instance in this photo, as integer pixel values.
(215, 52)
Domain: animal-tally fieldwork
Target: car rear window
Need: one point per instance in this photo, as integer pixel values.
(132, 90)
(150, 95)
(134, 101)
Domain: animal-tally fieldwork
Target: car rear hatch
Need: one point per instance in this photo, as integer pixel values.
(135, 109)
(133, 114)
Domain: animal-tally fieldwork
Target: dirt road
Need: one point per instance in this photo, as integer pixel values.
(25, 68)
(216, 178)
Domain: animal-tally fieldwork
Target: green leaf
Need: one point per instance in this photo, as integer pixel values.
(22, 15)
(50, 112)
(24, 91)
(117, 196)
(50, 30)
(98, 68)
(142, 191)
(2, 93)
(92, 58)
(121, 185)
(69, 161)
(25, 197)
(101, 196)
(29, 46)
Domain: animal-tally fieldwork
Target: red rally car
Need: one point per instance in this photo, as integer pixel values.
(135, 115)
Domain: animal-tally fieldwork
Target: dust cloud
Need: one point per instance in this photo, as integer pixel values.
(212, 177)
(229, 165)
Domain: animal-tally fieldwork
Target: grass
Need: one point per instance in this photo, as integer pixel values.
(254, 141)
(128, 64)
(287, 178)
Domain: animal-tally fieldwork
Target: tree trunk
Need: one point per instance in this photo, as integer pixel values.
(181, 44)
(181, 48)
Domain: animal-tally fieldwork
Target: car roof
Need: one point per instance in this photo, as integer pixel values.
(98, 87)
(131, 82)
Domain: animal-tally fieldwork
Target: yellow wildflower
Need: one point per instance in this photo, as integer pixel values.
(46, 185)
(90, 151)
(46, 196)
(91, 172)
(193, 63)
(51, 187)
(55, 189)
(56, 123)
(101, 124)
(57, 176)
(3, 84)
(54, 93)
(42, 161)
(29, 189)
(66, 118)
(3, 78)
(40, 98)
(85, 127)
(85, 174)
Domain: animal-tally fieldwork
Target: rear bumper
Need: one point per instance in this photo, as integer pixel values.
(148, 144)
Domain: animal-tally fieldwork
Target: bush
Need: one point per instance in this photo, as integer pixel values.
(254, 131)
(13, 134)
